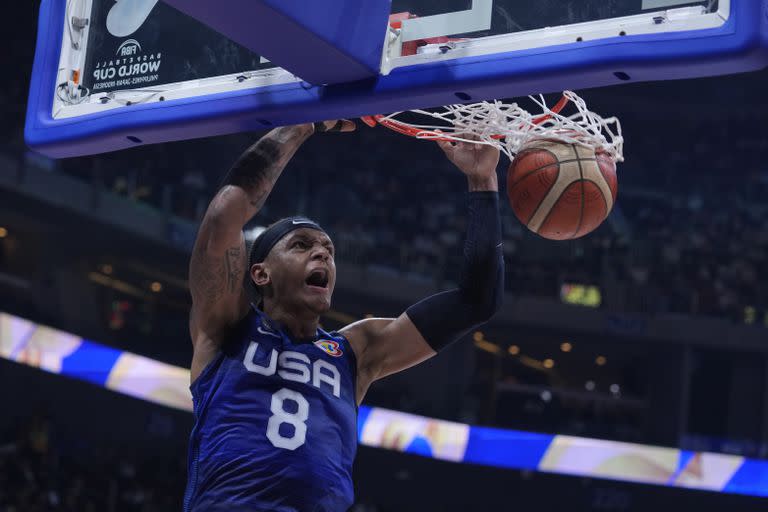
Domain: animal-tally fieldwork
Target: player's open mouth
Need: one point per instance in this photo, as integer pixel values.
(318, 279)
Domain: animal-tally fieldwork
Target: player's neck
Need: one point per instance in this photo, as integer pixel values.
(300, 325)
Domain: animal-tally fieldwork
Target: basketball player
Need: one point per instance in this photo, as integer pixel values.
(275, 397)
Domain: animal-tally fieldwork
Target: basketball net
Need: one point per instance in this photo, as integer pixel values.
(510, 127)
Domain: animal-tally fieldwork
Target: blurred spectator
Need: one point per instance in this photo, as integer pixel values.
(36, 476)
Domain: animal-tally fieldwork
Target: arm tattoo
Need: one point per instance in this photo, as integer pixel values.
(209, 277)
(234, 269)
(257, 170)
(216, 276)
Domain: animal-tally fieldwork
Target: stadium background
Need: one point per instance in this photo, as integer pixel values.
(651, 330)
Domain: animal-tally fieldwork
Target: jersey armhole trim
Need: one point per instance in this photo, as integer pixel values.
(194, 387)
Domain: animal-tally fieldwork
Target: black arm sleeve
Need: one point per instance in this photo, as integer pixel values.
(445, 317)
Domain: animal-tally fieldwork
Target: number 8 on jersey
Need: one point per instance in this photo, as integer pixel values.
(280, 415)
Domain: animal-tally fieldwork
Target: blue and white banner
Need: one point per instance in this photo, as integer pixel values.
(58, 352)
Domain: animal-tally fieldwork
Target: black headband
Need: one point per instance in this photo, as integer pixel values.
(267, 240)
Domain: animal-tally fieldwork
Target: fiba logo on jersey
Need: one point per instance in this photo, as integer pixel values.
(330, 347)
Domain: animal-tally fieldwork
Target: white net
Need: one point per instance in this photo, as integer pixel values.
(510, 127)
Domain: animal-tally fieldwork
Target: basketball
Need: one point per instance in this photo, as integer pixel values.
(561, 191)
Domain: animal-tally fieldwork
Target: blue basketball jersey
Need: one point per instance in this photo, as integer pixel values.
(275, 424)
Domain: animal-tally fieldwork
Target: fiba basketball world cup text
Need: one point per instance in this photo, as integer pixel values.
(128, 69)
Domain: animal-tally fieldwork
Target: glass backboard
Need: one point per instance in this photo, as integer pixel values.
(461, 28)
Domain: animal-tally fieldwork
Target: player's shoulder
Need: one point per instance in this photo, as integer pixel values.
(361, 333)
(365, 328)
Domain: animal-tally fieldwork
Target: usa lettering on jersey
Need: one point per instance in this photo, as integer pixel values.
(295, 367)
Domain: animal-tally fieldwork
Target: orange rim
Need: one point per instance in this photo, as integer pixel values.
(411, 131)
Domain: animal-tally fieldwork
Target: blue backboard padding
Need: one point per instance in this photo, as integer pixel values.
(506, 448)
(39, 129)
(91, 361)
(751, 478)
(739, 45)
(321, 41)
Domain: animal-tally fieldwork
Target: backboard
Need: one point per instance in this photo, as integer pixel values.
(113, 74)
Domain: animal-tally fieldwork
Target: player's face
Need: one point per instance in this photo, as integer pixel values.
(303, 271)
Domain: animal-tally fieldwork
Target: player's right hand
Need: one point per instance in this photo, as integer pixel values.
(474, 160)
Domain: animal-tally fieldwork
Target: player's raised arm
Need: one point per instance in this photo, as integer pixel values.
(386, 346)
(218, 264)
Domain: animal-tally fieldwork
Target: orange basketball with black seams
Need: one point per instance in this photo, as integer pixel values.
(561, 191)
